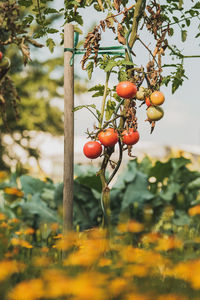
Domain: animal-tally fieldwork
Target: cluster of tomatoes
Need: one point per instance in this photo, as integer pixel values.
(110, 136)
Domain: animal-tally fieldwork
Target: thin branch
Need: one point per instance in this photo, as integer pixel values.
(122, 12)
(138, 38)
(174, 23)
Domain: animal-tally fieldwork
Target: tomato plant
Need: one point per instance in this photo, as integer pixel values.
(108, 137)
(126, 89)
(157, 98)
(130, 136)
(92, 149)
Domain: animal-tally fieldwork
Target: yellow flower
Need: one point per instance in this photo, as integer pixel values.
(130, 226)
(88, 253)
(2, 217)
(29, 230)
(103, 262)
(136, 296)
(117, 286)
(22, 243)
(7, 268)
(14, 220)
(27, 290)
(13, 191)
(42, 261)
(195, 210)
(54, 226)
(168, 243)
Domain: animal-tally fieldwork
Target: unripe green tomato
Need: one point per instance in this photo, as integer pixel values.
(140, 95)
(5, 63)
(155, 113)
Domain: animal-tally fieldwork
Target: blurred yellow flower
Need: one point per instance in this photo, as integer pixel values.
(9, 267)
(88, 253)
(104, 262)
(54, 226)
(13, 191)
(117, 286)
(14, 221)
(136, 296)
(29, 230)
(22, 243)
(130, 226)
(41, 261)
(195, 210)
(168, 243)
(27, 290)
(2, 217)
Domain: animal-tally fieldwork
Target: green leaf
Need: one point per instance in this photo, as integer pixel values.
(36, 206)
(195, 184)
(100, 90)
(111, 64)
(172, 189)
(90, 68)
(50, 10)
(161, 170)
(178, 163)
(180, 4)
(137, 191)
(110, 108)
(25, 3)
(52, 30)
(31, 185)
(28, 20)
(183, 35)
(50, 44)
(127, 176)
(197, 5)
(171, 31)
(84, 106)
(90, 180)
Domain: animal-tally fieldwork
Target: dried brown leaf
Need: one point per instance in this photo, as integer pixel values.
(117, 4)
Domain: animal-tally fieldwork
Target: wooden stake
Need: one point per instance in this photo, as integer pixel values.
(68, 131)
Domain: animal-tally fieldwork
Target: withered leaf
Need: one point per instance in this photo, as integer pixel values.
(117, 4)
(120, 34)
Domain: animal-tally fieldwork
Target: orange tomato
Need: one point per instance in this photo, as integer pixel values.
(157, 98)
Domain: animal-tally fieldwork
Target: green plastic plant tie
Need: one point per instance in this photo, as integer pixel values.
(102, 50)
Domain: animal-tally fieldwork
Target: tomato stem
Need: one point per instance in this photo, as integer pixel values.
(104, 99)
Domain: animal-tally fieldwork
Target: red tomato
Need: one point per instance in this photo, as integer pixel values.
(109, 137)
(1, 55)
(126, 89)
(92, 149)
(130, 137)
(147, 100)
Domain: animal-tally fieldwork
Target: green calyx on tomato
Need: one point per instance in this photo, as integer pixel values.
(92, 149)
(126, 89)
(130, 136)
(108, 137)
(155, 113)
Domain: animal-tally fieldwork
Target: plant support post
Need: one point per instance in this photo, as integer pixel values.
(68, 177)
